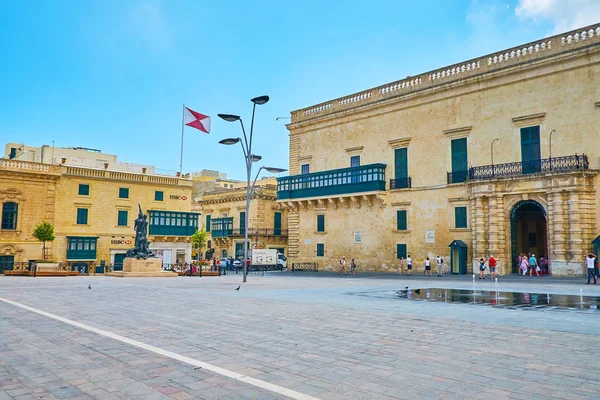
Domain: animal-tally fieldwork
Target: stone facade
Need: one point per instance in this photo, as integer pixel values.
(52, 193)
(549, 86)
(262, 232)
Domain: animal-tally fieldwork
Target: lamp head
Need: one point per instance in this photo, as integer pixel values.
(275, 170)
(260, 100)
(229, 141)
(229, 117)
(255, 158)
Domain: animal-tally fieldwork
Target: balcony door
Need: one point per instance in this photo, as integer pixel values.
(530, 150)
(400, 168)
(277, 224)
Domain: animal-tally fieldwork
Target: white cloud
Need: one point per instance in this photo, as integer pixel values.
(146, 20)
(564, 15)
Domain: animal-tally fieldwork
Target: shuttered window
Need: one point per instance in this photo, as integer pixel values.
(460, 217)
(320, 250)
(400, 250)
(401, 223)
(320, 223)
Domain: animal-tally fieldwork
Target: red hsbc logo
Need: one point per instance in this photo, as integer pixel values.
(120, 241)
(177, 197)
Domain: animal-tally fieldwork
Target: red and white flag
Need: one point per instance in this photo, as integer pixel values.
(196, 120)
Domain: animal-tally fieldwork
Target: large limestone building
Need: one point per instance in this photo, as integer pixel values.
(497, 155)
(92, 211)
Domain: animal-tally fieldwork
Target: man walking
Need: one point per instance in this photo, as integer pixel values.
(492, 264)
(533, 265)
(439, 264)
(590, 261)
(342, 265)
(409, 265)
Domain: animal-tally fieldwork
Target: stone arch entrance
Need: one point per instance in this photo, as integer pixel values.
(528, 230)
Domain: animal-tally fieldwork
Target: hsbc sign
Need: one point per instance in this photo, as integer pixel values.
(177, 197)
(121, 241)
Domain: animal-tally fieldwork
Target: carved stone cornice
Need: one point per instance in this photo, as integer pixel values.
(458, 133)
(401, 142)
(529, 120)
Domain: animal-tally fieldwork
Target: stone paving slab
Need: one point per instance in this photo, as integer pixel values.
(305, 334)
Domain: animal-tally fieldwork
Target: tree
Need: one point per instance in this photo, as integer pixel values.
(44, 232)
(199, 240)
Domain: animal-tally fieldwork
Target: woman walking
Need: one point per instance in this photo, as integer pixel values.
(427, 267)
(481, 268)
(352, 267)
(401, 265)
(524, 264)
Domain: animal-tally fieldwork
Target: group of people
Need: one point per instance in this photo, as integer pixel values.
(439, 264)
(528, 263)
(491, 263)
(343, 266)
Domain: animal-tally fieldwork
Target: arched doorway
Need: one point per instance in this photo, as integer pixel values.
(528, 231)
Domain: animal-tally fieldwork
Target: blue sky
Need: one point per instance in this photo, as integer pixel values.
(113, 74)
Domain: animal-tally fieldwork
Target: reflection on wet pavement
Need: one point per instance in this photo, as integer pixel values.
(536, 301)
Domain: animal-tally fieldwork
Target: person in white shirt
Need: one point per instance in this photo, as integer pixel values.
(589, 261)
(427, 267)
(409, 265)
(438, 267)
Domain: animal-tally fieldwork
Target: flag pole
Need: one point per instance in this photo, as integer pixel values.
(181, 154)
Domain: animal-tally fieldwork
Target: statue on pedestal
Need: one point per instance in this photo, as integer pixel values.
(141, 249)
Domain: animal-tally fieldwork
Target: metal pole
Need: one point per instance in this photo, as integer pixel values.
(181, 153)
(492, 154)
(551, 132)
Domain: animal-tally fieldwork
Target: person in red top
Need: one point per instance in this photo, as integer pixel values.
(492, 264)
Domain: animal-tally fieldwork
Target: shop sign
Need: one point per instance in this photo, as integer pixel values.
(120, 242)
(177, 197)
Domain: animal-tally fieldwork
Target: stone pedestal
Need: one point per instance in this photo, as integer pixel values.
(150, 267)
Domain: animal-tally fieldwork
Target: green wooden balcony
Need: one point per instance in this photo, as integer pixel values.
(366, 178)
(221, 227)
(172, 223)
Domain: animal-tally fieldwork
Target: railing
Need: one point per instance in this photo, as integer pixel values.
(548, 165)
(457, 176)
(24, 165)
(400, 183)
(308, 266)
(528, 52)
(365, 178)
(251, 232)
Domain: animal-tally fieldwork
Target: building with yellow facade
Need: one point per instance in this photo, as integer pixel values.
(224, 211)
(498, 155)
(92, 211)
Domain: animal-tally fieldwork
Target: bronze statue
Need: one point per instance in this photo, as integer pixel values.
(141, 249)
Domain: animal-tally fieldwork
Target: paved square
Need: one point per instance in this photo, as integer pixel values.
(286, 336)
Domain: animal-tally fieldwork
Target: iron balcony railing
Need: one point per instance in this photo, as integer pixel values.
(251, 232)
(400, 183)
(545, 166)
(365, 178)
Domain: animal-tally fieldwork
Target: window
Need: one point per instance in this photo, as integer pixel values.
(530, 149)
(320, 250)
(84, 189)
(10, 212)
(401, 224)
(13, 153)
(355, 161)
(207, 227)
(460, 217)
(459, 160)
(277, 224)
(400, 250)
(242, 223)
(159, 196)
(123, 193)
(209, 244)
(320, 223)
(305, 169)
(122, 218)
(82, 216)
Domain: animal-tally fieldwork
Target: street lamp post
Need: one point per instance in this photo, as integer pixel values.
(492, 154)
(551, 132)
(249, 159)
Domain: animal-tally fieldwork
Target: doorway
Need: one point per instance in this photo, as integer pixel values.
(528, 231)
(6, 263)
(118, 264)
